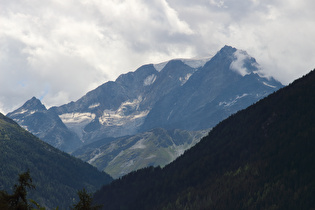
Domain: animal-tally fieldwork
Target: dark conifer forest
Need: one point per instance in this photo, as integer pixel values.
(56, 175)
(259, 158)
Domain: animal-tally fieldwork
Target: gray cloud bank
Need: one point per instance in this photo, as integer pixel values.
(57, 50)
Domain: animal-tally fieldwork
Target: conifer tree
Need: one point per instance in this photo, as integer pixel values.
(18, 199)
(85, 202)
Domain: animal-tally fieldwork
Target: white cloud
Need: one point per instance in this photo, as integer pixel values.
(238, 64)
(61, 49)
(58, 50)
(277, 33)
(218, 3)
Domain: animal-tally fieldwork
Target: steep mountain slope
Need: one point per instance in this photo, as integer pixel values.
(259, 158)
(56, 175)
(230, 81)
(119, 108)
(174, 95)
(125, 154)
(46, 125)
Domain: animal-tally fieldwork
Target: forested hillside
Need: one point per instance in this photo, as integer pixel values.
(259, 158)
(56, 175)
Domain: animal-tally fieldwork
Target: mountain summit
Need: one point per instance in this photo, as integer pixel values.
(31, 105)
(45, 124)
(230, 81)
(170, 96)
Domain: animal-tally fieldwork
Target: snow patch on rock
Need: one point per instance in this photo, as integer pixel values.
(265, 83)
(160, 66)
(128, 112)
(232, 102)
(23, 111)
(183, 80)
(94, 105)
(197, 62)
(193, 63)
(149, 80)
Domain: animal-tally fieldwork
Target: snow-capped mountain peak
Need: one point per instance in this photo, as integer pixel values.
(29, 107)
(190, 94)
(193, 62)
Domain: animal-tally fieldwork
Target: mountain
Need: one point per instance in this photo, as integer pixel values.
(123, 155)
(56, 175)
(45, 124)
(229, 82)
(119, 108)
(178, 94)
(259, 158)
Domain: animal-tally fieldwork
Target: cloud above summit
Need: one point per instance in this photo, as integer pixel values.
(58, 50)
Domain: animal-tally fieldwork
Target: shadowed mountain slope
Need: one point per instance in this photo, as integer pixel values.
(56, 175)
(259, 158)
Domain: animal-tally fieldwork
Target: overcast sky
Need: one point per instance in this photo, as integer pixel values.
(57, 50)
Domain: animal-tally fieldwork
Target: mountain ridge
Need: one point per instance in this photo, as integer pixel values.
(146, 98)
(214, 82)
(175, 97)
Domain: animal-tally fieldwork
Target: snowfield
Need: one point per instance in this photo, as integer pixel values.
(194, 63)
(77, 118)
(77, 121)
(127, 113)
